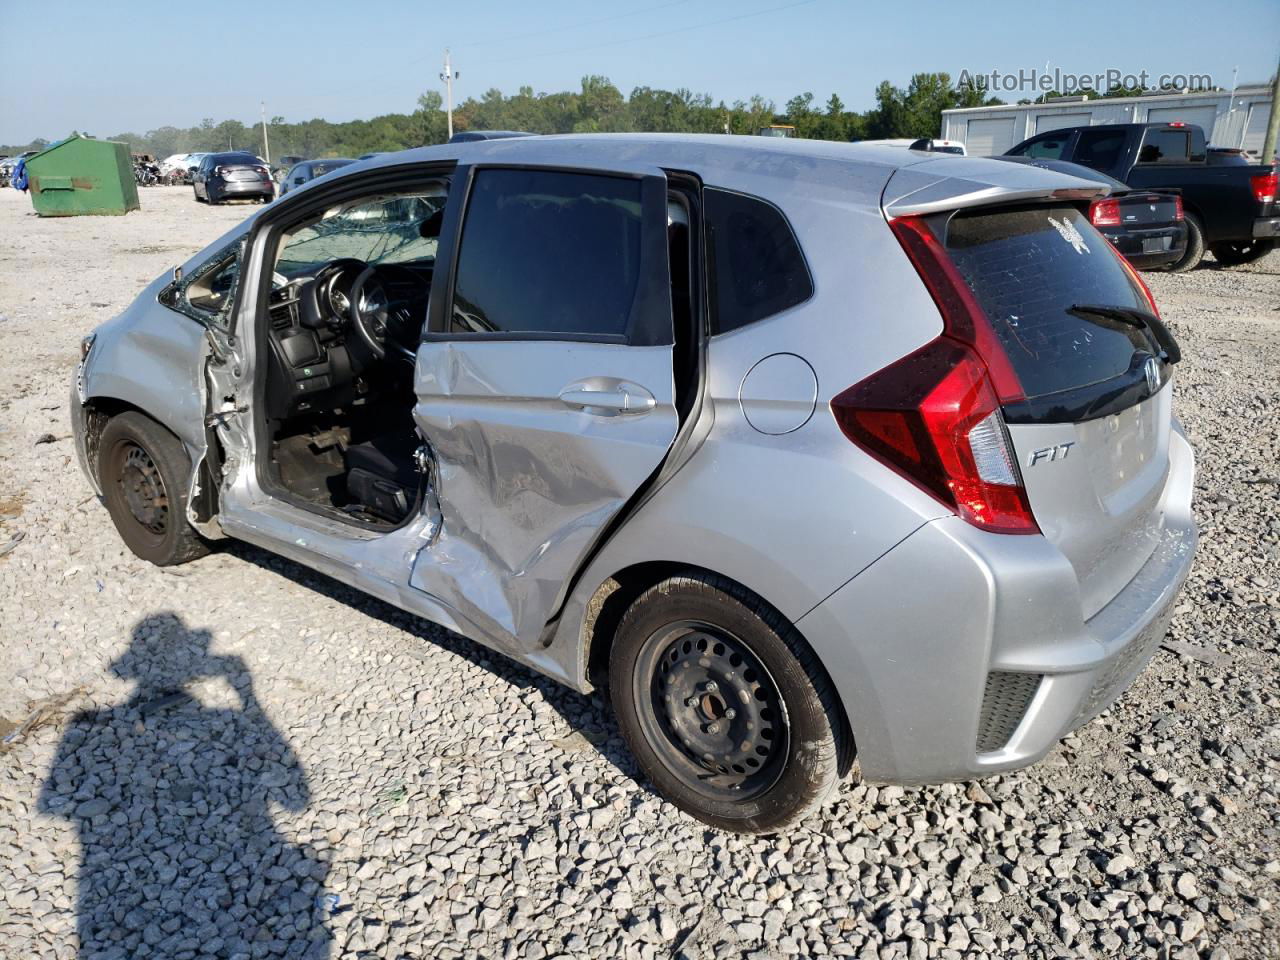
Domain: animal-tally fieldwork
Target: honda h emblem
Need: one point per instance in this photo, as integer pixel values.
(1152, 370)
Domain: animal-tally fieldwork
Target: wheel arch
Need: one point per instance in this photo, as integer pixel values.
(202, 491)
(612, 598)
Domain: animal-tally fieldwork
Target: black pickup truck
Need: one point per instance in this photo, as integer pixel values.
(1230, 208)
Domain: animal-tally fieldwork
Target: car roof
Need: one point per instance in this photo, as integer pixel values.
(776, 168)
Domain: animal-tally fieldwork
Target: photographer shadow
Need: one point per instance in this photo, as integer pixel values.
(172, 793)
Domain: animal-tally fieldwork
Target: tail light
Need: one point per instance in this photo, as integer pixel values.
(1105, 213)
(1177, 208)
(934, 416)
(1264, 187)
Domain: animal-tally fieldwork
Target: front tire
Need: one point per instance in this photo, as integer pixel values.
(143, 471)
(726, 708)
(1195, 246)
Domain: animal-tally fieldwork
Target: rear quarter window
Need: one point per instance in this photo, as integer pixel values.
(754, 261)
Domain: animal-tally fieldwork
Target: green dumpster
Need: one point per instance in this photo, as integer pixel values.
(82, 176)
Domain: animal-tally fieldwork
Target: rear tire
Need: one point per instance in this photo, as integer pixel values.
(1235, 253)
(143, 471)
(1195, 246)
(727, 710)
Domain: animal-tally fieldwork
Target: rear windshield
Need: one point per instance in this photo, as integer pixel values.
(237, 158)
(1027, 269)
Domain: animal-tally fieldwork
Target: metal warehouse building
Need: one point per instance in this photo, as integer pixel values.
(1238, 121)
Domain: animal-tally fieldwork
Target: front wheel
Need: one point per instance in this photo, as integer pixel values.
(1235, 253)
(143, 471)
(726, 708)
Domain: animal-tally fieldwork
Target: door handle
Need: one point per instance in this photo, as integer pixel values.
(612, 400)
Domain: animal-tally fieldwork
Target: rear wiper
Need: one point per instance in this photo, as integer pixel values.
(1134, 317)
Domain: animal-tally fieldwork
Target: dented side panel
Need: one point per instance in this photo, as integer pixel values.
(527, 479)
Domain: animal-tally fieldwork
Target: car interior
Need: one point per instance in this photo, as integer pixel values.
(346, 309)
(348, 299)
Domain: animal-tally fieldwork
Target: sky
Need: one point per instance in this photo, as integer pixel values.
(127, 67)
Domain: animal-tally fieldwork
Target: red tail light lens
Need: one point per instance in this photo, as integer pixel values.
(1177, 209)
(1264, 187)
(1105, 213)
(934, 416)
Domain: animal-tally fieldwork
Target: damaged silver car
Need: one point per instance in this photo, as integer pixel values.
(806, 451)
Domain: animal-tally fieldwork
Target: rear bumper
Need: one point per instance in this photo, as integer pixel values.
(245, 188)
(1265, 227)
(992, 661)
(1133, 245)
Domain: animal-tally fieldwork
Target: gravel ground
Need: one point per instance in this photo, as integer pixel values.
(239, 757)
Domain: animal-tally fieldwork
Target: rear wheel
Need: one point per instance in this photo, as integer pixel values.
(1235, 253)
(1195, 246)
(143, 471)
(725, 707)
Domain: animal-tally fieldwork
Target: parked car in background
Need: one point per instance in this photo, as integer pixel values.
(232, 176)
(470, 136)
(1230, 207)
(8, 163)
(286, 163)
(927, 505)
(923, 143)
(309, 170)
(175, 161)
(1147, 227)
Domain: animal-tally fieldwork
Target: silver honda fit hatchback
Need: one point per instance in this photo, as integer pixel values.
(809, 452)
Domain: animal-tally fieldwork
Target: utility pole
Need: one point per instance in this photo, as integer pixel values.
(266, 147)
(1273, 124)
(448, 76)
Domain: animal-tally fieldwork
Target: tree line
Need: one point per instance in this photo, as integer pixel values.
(597, 107)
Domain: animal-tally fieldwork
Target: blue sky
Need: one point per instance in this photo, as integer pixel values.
(114, 67)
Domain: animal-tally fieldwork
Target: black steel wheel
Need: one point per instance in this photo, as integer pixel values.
(714, 715)
(143, 471)
(728, 711)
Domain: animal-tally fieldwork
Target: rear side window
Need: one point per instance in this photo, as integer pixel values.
(1165, 146)
(1028, 268)
(1099, 149)
(545, 252)
(754, 262)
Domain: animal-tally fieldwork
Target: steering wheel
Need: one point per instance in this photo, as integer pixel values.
(372, 317)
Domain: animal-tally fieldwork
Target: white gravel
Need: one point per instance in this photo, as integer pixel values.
(455, 805)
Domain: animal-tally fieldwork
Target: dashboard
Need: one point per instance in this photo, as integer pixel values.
(315, 356)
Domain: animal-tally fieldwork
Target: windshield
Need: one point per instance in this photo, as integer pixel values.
(389, 229)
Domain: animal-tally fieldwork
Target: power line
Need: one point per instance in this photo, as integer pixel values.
(652, 36)
(605, 43)
(574, 26)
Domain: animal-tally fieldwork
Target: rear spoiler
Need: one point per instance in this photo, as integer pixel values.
(957, 183)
